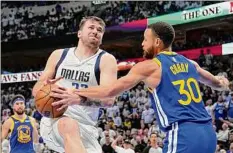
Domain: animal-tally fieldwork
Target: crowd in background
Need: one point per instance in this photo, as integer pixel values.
(132, 116)
(207, 38)
(20, 21)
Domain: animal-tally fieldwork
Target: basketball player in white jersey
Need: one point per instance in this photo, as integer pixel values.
(80, 67)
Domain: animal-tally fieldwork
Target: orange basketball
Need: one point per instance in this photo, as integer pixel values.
(43, 102)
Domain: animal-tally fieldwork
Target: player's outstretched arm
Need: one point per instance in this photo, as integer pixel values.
(216, 82)
(138, 73)
(49, 71)
(101, 96)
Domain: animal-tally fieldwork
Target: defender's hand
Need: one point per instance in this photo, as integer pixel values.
(67, 97)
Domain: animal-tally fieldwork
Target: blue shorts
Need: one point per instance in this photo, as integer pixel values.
(190, 137)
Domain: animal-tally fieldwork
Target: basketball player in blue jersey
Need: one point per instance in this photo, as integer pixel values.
(80, 67)
(21, 129)
(173, 84)
(230, 108)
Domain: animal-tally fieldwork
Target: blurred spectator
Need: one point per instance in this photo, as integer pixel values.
(112, 111)
(208, 58)
(111, 132)
(147, 116)
(106, 147)
(140, 145)
(218, 111)
(153, 145)
(201, 59)
(230, 148)
(125, 149)
(62, 19)
(106, 139)
(223, 134)
(209, 106)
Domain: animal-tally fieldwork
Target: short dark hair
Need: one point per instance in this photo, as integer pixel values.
(92, 18)
(164, 31)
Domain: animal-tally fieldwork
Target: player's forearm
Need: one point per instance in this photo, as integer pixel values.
(94, 92)
(217, 85)
(106, 102)
(4, 135)
(98, 101)
(211, 80)
(35, 136)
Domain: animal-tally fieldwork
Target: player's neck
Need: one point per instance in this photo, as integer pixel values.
(82, 51)
(20, 116)
(168, 49)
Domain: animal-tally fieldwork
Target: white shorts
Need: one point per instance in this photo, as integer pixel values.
(52, 138)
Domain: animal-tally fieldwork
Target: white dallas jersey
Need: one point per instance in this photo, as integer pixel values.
(79, 74)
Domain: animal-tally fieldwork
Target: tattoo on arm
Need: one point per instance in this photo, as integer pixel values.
(92, 102)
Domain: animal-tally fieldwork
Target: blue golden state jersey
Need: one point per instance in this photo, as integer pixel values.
(177, 98)
(21, 140)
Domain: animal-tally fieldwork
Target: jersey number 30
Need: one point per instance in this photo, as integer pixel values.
(190, 92)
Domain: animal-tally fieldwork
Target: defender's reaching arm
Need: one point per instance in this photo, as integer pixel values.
(216, 82)
(140, 72)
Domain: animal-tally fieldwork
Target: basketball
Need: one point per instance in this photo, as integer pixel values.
(43, 102)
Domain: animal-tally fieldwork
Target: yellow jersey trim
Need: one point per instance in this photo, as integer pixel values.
(21, 120)
(150, 90)
(157, 61)
(168, 53)
(12, 125)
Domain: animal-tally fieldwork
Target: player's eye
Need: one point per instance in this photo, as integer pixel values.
(100, 30)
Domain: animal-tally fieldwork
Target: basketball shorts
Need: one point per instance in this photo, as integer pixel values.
(190, 137)
(52, 138)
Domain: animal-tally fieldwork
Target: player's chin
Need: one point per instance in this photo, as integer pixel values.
(95, 43)
(20, 112)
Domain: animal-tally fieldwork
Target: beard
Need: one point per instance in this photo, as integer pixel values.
(149, 53)
(19, 112)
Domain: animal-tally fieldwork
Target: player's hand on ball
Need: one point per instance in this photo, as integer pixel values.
(67, 97)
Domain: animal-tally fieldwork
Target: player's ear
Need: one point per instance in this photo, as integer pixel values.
(157, 42)
(79, 34)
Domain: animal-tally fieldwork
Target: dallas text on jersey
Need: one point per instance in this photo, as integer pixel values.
(75, 75)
